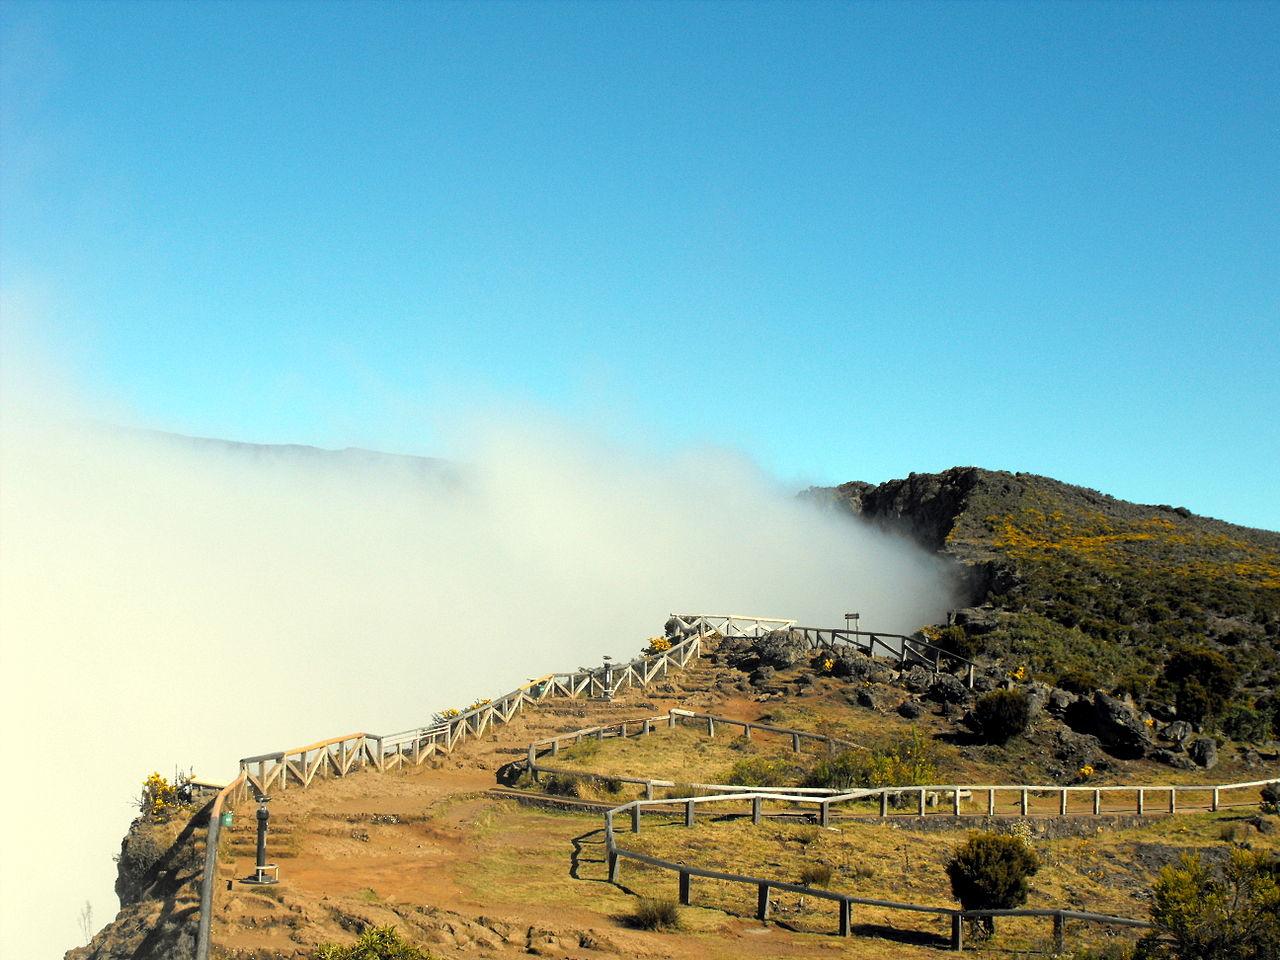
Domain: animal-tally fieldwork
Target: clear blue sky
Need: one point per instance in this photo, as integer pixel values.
(854, 240)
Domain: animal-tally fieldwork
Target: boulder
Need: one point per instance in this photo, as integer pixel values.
(910, 709)
(948, 689)
(867, 698)
(1174, 759)
(1204, 751)
(852, 664)
(918, 679)
(780, 649)
(1077, 750)
(1060, 701)
(1113, 722)
(1179, 732)
(762, 675)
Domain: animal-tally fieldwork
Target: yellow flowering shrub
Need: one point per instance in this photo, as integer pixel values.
(658, 645)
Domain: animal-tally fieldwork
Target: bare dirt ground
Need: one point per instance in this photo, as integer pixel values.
(470, 874)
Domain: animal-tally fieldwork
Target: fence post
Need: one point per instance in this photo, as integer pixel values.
(688, 813)
(991, 802)
(957, 932)
(1062, 802)
(757, 809)
(648, 789)
(671, 720)
(645, 730)
(1214, 805)
(762, 901)
(1059, 933)
(846, 918)
(884, 803)
(711, 727)
(1173, 799)
(824, 813)
(613, 867)
(1024, 801)
(746, 731)
(1141, 800)
(1097, 802)
(795, 742)
(955, 803)
(684, 887)
(555, 747)
(922, 801)
(635, 818)
(971, 676)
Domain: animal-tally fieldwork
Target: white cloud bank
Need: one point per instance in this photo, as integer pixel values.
(167, 604)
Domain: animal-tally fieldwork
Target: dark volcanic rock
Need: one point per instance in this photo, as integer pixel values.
(910, 709)
(762, 675)
(917, 679)
(780, 649)
(1204, 751)
(948, 689)
(1173, 759)
(1179, 732)
(1060, 701)
(1112, 722)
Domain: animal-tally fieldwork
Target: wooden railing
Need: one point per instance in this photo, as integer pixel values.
(228, 795)
(551, 746)
(339, 756)
(764, 885)
(907, 651)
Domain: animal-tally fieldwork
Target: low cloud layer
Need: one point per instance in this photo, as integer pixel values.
(166, 603)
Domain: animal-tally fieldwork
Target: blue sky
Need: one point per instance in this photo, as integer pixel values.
(853, 240)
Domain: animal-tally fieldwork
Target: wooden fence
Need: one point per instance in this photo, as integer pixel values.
(907, 651)
(846, 902)
(339, 756)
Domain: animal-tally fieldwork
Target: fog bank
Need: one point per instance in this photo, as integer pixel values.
(166, 603)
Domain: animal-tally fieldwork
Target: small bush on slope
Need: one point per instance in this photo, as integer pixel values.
(1203, 914)
(1002, 715)
(989, 871)
(379, 943)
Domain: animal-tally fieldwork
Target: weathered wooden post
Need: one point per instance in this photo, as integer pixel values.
(1173, 799)
(955, 805)
(614, 865)
(1214, 805)
(711, 727)
(1097, 802)
(957, 932)
(684, 887)
(1141, 800)
(884, 803)
(688, 813)
(757, 809)
(762, 901)
(1059, 933)
(646, 729)
(921, 792)
(1024, 801)
(846, 918)
(991, 802)
(795, 743)
(824, 813)
(1062, 802)
(648, 789)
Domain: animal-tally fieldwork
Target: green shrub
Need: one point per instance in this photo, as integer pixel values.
(1204, 914)
(378, 943)
(955, 640)
(989, 871)
(761, 772)
(562, 786)
(816, 874)
(1271, 798)
(1001, 715)
(656, 914)
(1201, 680)
(1245, 723)
(905, 762)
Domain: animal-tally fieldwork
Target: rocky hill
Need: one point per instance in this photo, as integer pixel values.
(1088, 590)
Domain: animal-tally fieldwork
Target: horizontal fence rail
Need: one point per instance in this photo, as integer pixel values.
(907, 651)
(846, 902)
